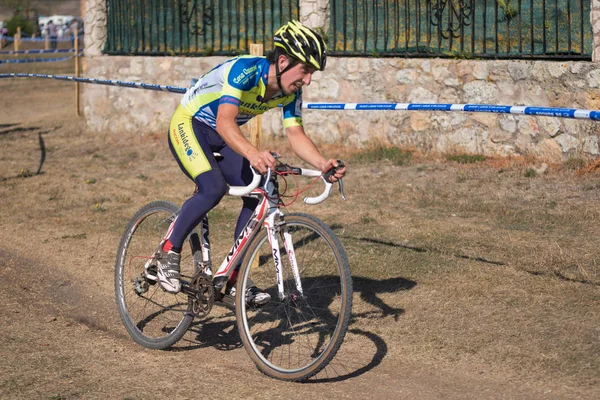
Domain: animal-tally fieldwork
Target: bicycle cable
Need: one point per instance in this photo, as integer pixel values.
(289, 171)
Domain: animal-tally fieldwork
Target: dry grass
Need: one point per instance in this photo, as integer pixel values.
(499, 272)
(464, 267)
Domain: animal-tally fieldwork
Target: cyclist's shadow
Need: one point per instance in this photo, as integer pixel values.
(358, 356)
(369, 290)
(220, 331)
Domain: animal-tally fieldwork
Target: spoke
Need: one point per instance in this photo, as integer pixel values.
(289, 322)
(267, 320)
(308, 346)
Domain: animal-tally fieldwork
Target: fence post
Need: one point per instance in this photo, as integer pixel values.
(17, 40)
(47, 42)
(255, 124)
(76, 45)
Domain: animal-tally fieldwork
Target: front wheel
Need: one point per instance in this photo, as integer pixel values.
(295, 335)
(152, 317)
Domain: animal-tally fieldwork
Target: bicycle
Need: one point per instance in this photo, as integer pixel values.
(293, 336)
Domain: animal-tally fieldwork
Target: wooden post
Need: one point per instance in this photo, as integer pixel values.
(47, 42)
(82, 5)
(17, 40)
(76, 33)
(255, 124)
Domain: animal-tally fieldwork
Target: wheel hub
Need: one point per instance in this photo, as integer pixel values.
(140, 285)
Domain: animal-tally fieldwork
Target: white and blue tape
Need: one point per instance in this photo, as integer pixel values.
(489, 108)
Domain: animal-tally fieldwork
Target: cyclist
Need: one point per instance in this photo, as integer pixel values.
(208, 120)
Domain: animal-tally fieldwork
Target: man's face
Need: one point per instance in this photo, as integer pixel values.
(296, 77)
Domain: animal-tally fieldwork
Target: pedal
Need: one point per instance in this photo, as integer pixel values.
(150, 275)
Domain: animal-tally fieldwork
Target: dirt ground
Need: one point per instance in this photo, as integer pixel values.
(472, 281)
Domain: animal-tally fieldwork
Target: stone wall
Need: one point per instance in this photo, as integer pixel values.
(595, 21)
(94, 13)
(365, 80)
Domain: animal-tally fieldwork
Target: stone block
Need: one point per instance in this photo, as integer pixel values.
(480, 92)
(567, 142)
(481, 70)
(500, 136)
(593, 78)
(508, 123)
(548, 150)
(557, 69)
(550, 126)
(528, 126)
(519, 70)
(406, 76)
(487, 119)
(420, 121)
(591, 145)
(524, 144)
(421, 95)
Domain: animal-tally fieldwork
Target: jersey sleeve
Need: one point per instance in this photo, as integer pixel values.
(292, 111)
(239, 77)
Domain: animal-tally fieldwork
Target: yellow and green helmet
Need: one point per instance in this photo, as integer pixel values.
(302, 43)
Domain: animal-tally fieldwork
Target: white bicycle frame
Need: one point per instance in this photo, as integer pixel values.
(267, 214)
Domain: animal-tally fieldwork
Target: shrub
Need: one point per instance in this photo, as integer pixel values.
(575, 163)
(11, 25)
(465, 158)
(530, 173)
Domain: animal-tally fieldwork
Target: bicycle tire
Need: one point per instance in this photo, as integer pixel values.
(154, 318)
(295, 338)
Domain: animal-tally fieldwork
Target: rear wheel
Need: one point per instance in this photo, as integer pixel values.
(153, 317)
(294, 337)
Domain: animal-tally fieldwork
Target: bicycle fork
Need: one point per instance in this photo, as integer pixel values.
(274, 223)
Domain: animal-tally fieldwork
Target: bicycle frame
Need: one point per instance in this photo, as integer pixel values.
(267, 214)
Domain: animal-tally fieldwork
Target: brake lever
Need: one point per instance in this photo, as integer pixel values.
(340, 183)
(341, 186)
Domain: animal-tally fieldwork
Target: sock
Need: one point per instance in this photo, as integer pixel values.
(168, 246)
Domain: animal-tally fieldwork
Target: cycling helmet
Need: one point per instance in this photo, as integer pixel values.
(302, 43)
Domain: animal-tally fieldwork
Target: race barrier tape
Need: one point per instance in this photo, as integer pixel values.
(40, 51)
(38, 39)
(489, 108)
(134, 85)
(34, 60)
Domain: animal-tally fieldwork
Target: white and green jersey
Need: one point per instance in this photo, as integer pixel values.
(241, 81)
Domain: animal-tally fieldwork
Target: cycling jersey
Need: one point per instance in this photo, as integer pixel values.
(241, 81)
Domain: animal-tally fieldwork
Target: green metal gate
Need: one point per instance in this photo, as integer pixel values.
(546, 29)
(194, 27)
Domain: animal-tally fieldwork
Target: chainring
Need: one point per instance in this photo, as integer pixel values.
(204, 299)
